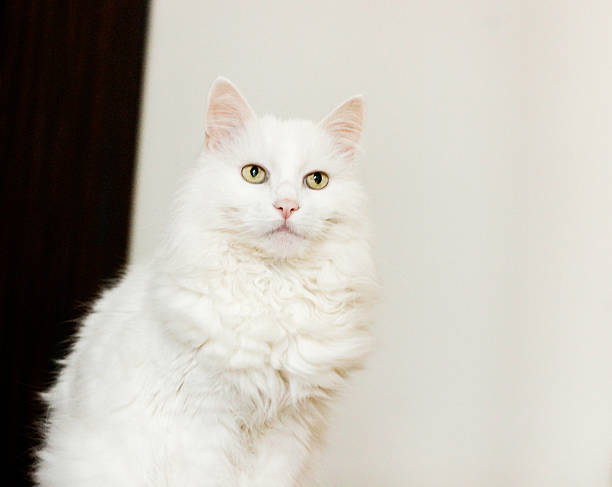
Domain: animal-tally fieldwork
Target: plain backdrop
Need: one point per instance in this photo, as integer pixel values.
(489, 163)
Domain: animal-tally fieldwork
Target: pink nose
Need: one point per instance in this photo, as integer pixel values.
(286, 207)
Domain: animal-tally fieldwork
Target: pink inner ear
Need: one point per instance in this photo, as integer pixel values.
(345, 125)
(227, 113)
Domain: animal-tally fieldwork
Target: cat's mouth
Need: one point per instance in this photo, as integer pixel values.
(284, 229)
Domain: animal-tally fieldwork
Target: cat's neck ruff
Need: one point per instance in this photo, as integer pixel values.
(301, 318)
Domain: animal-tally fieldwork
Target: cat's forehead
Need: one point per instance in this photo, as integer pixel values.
(289, 143)
(295, 129)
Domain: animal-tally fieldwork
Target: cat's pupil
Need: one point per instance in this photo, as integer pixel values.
(254, 171)
(317, 177)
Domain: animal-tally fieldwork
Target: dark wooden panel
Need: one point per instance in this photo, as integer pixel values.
(69, 92)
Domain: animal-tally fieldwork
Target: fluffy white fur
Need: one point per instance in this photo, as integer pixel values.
(214, 364)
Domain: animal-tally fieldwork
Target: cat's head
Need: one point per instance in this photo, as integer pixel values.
(281, 187)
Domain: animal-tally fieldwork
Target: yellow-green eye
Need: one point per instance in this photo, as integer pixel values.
(252, 173)
(316, 180)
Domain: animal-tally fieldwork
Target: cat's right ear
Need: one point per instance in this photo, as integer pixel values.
(227, 113)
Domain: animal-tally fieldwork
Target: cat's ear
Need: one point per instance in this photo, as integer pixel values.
(345, 124)
(227, 113)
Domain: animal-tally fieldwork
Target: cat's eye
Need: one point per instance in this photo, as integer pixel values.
(252, 173)
(316, 180)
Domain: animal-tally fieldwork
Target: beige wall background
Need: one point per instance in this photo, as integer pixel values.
(489, 164)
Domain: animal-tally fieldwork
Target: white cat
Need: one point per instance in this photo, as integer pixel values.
(214, 364)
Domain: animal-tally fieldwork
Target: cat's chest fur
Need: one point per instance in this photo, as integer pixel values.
(277, 334)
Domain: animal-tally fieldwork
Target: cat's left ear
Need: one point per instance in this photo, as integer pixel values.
(227, 114)
(345, 124)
